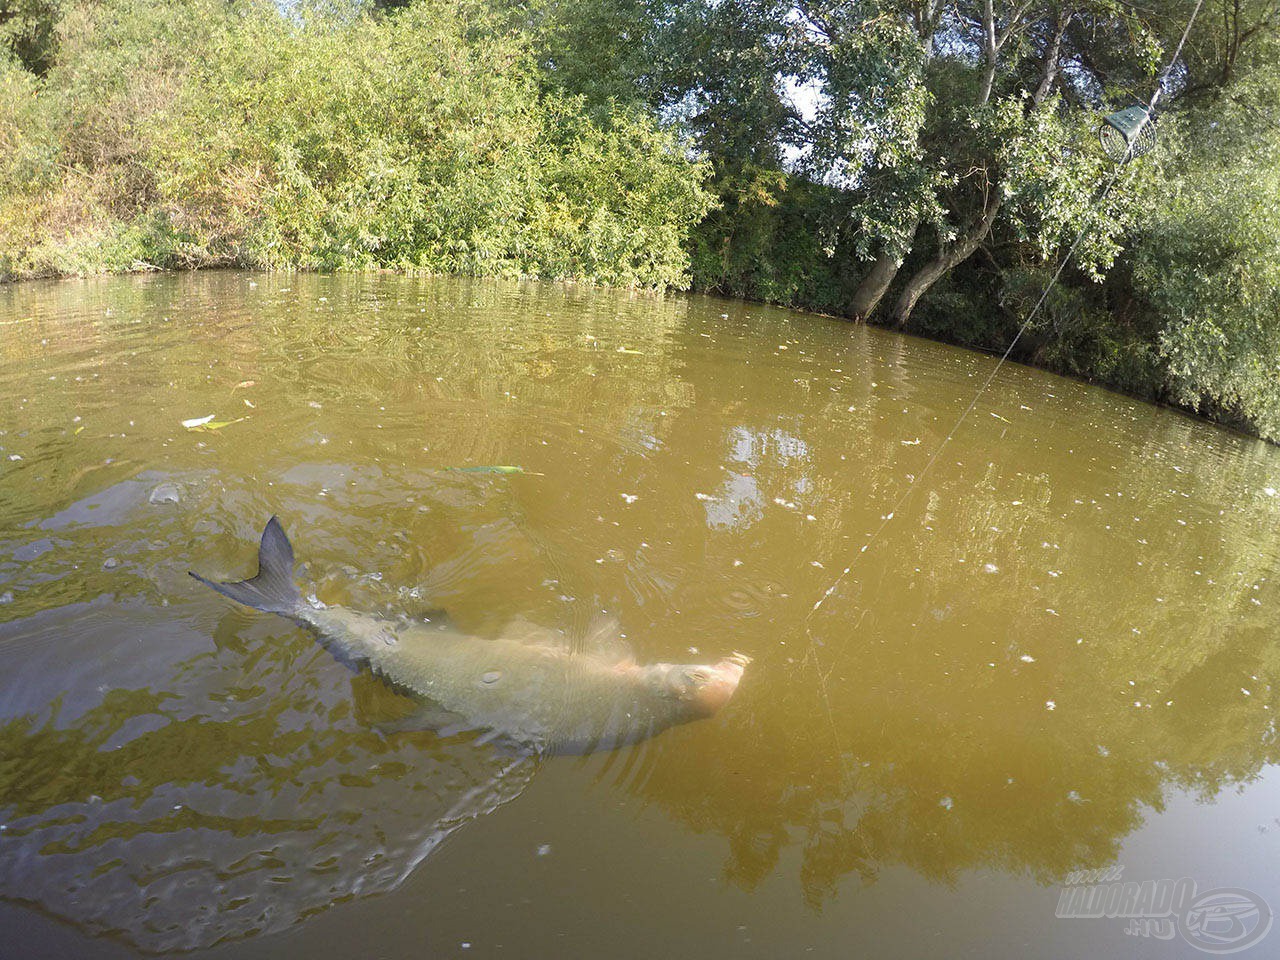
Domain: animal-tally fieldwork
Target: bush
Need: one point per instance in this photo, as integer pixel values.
(203, 134)
(1207, 262)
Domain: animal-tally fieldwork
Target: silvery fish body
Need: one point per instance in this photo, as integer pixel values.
(523, 687)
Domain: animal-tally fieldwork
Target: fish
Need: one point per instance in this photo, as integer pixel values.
(523, 688)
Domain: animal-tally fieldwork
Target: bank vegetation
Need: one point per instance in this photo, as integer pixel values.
(905, 162)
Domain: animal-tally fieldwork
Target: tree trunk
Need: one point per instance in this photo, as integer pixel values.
(990, 51)
(1050, 71)
(950, 257)
(873, 286)
(946, 260)
(916, 287)
(885, 268)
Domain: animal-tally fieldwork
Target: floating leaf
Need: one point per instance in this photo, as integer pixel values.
(219, 424)
(208, 423)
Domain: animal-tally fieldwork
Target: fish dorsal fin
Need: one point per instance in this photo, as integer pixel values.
(604, 638)
(523, 630)
(603, 630)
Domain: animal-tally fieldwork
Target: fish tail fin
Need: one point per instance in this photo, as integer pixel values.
(273, 589)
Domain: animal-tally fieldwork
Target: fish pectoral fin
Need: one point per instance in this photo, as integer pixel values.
(604, 640)
(524, 631)
(427, 716)
(535, 638)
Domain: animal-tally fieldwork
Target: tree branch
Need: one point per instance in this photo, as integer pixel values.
(1049, 73)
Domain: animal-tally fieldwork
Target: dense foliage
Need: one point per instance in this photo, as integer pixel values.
(203, 133)
(927, 165)
(906, 162)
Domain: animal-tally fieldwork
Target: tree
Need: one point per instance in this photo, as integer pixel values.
(29, 29)
(1207, 258)
(197, 133)
(1007, 126)
(870, 61)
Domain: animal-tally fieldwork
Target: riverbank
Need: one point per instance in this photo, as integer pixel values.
(1233, 425)
(603, 144)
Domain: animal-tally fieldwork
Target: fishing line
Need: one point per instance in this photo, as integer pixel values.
(810, 648)
(1177, 52)
(884, 521)
(911, 485)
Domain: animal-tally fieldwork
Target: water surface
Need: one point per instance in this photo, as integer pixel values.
(1057, 655)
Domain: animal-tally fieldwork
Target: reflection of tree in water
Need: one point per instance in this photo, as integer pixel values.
(951, 758)
(241, 799)
(395, 371)
(977, 733)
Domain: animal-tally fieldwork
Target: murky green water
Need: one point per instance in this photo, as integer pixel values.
(1058, 655)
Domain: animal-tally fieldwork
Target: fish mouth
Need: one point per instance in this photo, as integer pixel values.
(731, 667)
(720, 688)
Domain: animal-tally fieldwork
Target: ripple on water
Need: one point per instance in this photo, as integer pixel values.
(1069, 554)
(178, 803)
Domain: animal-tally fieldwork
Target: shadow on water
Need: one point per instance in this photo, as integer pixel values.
(1070, 622)
(177, 774)
(245, 794)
